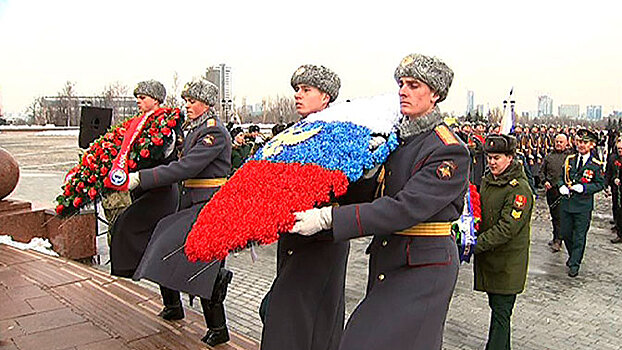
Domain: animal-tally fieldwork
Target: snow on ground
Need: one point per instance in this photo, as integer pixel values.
(58, 133)
(40, 245)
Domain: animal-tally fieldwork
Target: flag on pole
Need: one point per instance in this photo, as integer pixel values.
(508, 120)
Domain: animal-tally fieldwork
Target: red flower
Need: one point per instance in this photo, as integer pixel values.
(131, 164)
(171, 124)
(92, 179)
(60, 208)
(153, 131)
(77, 202)
(145, 153)
(118, 142)
(157, 141)
(103, 171)
(166, 131)
(67, 192)
(617, 163)
(114, 152)
(584, 180)
(92, 193)
(275, 191)
(142, 140)
(80, 186)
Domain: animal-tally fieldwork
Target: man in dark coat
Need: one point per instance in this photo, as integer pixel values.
(202, 168)
(132, 229)
(305, 308)
(413, 258)
(550, 173)
(613, 176)
(502, 250)
(582, 178)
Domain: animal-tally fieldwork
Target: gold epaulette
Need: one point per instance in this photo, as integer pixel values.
(446, 135)
(598, 162)
(211, 122)
(514, 183)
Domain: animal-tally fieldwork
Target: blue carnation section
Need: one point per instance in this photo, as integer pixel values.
(338, 146)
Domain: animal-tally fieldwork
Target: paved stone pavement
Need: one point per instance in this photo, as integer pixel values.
(555, 312)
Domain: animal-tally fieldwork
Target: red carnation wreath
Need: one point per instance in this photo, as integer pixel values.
(85, 181)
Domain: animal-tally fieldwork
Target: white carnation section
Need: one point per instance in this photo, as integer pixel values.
(38, 244)
(378, 113)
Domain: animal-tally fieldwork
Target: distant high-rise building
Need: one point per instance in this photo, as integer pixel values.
(470, 102)
(568, 111)
(594, 112)
(220, 75)
(480, 110)
(545, 106)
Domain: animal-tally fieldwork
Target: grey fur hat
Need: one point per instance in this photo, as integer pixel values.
(151, 88)
(319, 77)
(430, 70)
(201, 90)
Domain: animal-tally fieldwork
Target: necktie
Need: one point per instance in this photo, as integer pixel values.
(580, 163)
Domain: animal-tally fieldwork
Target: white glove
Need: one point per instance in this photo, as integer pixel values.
(564, 191)
(134, 181)
(616, 181)
(577, 188)
(313, 221)
(376, 141)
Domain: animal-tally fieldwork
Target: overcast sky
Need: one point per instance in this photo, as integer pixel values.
(572, 53)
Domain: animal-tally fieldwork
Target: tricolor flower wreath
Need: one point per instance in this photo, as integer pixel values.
(85, 181)
(308, 165)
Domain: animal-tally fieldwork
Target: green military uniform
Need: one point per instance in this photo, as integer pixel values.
(502, 250)
(239, 153)
(576, 208)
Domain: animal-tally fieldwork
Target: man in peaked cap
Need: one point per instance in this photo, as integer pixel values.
(582, 178)
(425, 182)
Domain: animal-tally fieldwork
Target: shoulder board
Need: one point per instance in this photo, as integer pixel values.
(210, 122)
(445, 135)
(572, 155)
(514, 183)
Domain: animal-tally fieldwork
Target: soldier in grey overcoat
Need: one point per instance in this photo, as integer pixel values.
(305, 307)
(203, 166)
(414, 259)
(132, 229)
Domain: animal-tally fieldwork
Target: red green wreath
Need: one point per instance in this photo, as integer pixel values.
(85, 181)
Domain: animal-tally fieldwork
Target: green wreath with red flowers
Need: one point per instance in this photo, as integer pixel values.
(85, 181)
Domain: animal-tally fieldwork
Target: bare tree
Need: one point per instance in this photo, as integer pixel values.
(280, 109)
(35, 112)
(172, 99)
(68, 106)
(111, 99)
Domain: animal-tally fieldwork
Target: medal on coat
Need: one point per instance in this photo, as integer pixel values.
(520, 201)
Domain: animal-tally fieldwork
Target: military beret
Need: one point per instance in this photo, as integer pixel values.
(151, 88)
(201, 90)
(586, 135)
(319, 77)
(254, 128)
(504, 144)
(430, 70)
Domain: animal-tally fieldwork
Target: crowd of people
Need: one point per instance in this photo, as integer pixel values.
(407, 206)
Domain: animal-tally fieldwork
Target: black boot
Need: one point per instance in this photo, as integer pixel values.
(214, 313)
(214, 337)
(173, 310)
